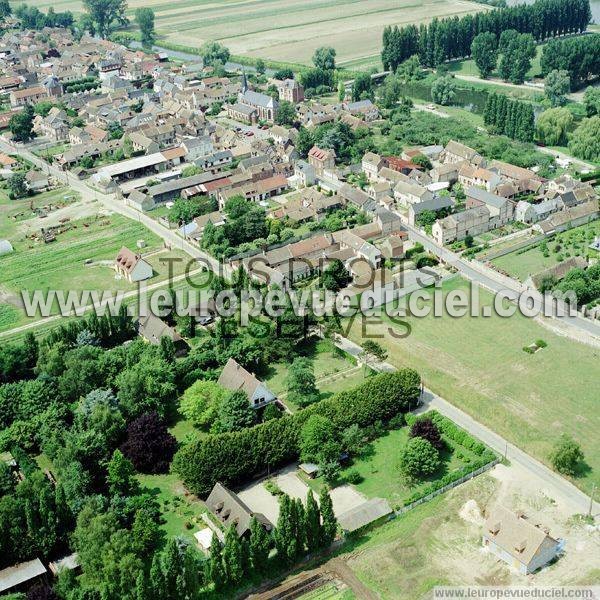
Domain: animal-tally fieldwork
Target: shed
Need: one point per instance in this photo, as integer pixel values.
(13, 577)
(364, 514)
(309, 469)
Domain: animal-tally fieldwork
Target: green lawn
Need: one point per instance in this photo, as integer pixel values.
(60, 265)
(478, 364)
(180, 510)
(333, 371)
(380, 473)
(574, 242)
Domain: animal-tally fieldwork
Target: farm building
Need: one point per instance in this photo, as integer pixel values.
(20, 577)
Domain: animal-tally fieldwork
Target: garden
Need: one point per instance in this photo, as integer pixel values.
(547, 253)
(406, 463)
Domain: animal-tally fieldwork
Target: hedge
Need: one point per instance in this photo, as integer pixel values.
(232, 458)
(453, 432)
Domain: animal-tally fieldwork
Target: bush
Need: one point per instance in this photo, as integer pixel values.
(528, 349)
(353, 477)
(541, 343)
(235, 456)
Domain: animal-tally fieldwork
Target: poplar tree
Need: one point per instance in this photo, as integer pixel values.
(329, 525)
(312, 523)
(260, 544)
(233, 557)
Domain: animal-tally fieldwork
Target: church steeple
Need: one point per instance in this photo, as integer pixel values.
(244, 82)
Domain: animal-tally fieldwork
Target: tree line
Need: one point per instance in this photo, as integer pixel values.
(579, 57)
(232, 457)
(512, 118)
(451, 38)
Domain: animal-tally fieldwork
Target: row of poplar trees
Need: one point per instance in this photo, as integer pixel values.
(451, 38)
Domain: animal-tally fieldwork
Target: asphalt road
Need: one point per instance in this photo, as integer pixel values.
(547, 478)
(486, 277)
(111, 202)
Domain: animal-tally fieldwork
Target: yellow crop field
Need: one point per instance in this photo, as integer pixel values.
(287, 30)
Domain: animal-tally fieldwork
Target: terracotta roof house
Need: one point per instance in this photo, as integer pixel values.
(514, 539)
(132, 266)
(229, 509)
(234, 377)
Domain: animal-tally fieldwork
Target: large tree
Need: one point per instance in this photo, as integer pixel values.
(106, 14)
(301, 382)
(149, 445)
(329, 524)
(234, 412)
(286, 113)
(556, 86)
(418, 458)
(443, 90)
(324, 58)
(553, 125)
(200, 402)
(21, 124)
(484, 51)
(214, 54)
(585, 141)
(144, 17)
(566, 455)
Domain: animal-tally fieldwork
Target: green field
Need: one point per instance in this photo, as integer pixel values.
(574, 242)
(60, 265)
(333, 371)
(380, 473)
(478, 364)
(288, 31)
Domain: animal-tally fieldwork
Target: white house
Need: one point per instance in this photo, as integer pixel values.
(132, 266)
(234, 377)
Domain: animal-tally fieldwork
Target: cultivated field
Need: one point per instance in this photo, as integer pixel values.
(289, 31)
(478, 364)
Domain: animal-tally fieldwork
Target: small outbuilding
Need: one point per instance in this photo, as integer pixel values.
(372, 511)
(20, 577)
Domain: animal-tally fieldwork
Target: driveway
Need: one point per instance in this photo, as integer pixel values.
(258, 499)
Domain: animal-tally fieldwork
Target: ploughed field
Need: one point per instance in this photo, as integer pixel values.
(285, 30)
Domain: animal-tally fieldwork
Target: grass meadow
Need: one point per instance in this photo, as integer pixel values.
(478, 364)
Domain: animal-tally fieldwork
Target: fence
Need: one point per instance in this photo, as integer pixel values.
(450, 486)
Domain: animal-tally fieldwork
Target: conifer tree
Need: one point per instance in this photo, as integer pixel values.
(312, 523)
(285, 538)
(329, 525)
(216, 573)
(232, 557)
(260, 544)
